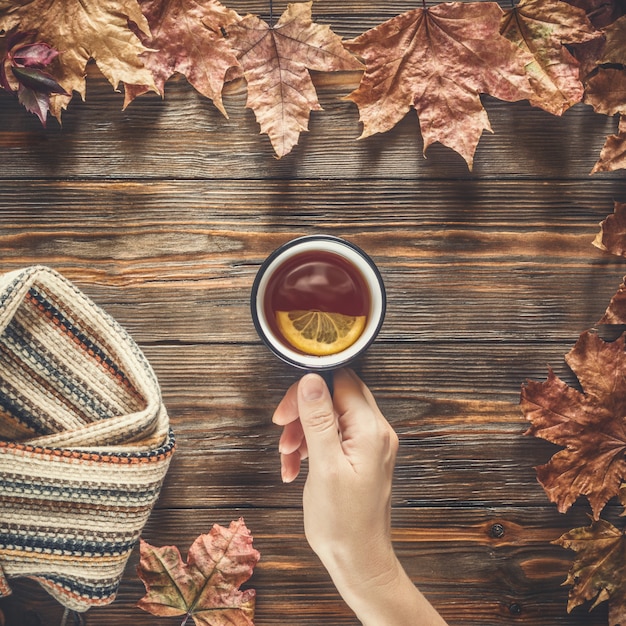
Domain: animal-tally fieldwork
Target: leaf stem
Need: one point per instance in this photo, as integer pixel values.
(77, 618)
(271, 14)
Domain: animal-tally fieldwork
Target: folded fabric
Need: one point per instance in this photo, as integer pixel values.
(85, 441)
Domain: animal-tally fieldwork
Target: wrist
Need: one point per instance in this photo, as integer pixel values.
(383, 593)
(361, 574)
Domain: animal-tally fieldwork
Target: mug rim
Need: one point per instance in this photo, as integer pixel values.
(311, 362)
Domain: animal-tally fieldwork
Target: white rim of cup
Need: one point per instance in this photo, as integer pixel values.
(348, 251)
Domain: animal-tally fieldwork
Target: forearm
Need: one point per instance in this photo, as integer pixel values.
(388, 599)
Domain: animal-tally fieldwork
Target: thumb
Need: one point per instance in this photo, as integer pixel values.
(317, 416)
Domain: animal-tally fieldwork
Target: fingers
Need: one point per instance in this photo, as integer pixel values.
(319, 424)
(287, 409)
(290, 466)
(353, 395)
(290, 462)
(361, 421)
(312, 420)
(291, 438)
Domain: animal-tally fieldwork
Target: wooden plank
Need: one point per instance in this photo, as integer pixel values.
(175, 260)
(472, 576)
(185, 136)
(461, 430)
(162, 214)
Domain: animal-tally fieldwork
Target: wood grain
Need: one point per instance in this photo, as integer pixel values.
(162, 213)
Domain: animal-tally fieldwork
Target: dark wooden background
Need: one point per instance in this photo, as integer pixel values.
(162, 214)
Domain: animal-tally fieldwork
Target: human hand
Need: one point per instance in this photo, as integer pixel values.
(347, 495)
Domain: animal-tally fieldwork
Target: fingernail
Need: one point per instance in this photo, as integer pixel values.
(312, 387)
(285, 476)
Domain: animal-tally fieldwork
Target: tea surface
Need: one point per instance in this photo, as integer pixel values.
(330, 289)
(318, 281)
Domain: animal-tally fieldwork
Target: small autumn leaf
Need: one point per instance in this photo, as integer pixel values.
(599, 570)
(83, 31)
(186, 37)
(542, 28)
(612, 235)
(206, 587)
(23, 66)
(276, 61)
(588, 424)
(439, 60)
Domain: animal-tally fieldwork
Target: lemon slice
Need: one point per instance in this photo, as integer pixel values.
(319, 333)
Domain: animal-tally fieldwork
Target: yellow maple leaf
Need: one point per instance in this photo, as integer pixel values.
(542, 28)
(82, 31)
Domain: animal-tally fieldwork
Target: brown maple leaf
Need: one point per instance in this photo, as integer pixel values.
(616, 311)
(589, 424)
(206, 587)
(605, 91)
(187, 37)
(601, 13)
(599, 569)
(439, 60)
(542, 27)
(276, 61)
(613, 153)
(612, 235)
(615, 45)
(84, 31)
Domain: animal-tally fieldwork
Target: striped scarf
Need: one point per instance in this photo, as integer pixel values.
(84, 440)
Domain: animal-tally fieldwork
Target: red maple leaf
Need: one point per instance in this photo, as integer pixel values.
(438, 61)
(186, 37)
(206, 587)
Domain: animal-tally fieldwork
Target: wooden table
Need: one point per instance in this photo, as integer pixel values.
(162, 214)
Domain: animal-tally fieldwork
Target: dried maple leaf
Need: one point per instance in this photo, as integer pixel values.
(589, 424)
(83, 31)
(599, 570)
(206, 587)
(186, 37)
(613, 153)
(606, 93)
(615, 46)
(601, 12)
(541, 28)
(276, 61)
(439, 60)
(616, 311)
(612, 235)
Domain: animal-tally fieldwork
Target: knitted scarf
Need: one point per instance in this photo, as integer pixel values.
(84, 440)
